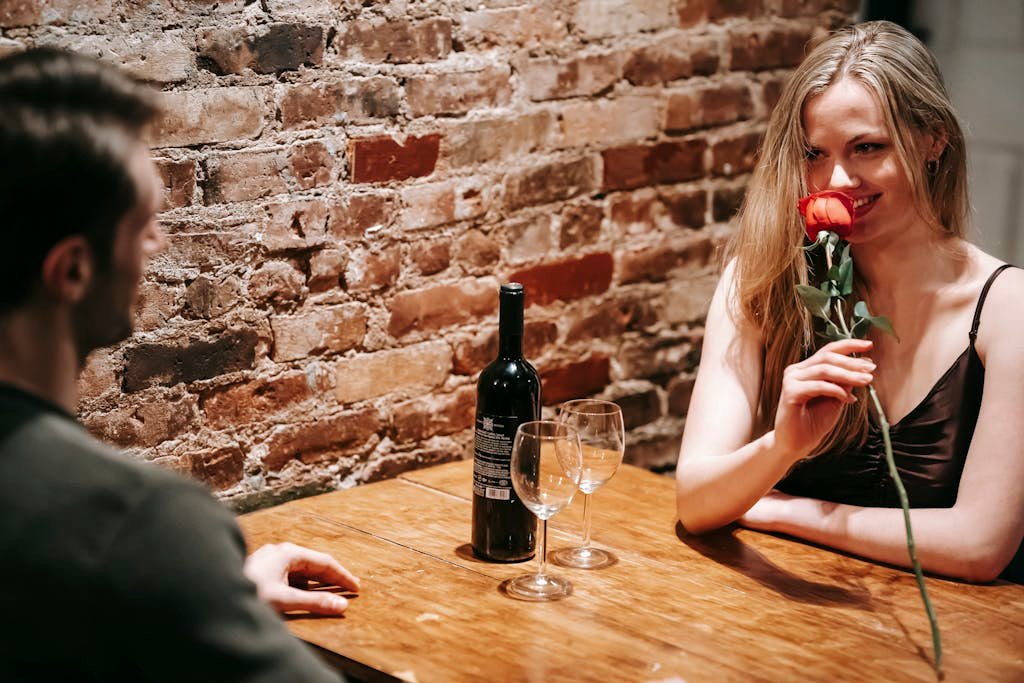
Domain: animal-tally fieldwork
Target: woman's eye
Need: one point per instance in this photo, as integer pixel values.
(867, 147)
(812, 154)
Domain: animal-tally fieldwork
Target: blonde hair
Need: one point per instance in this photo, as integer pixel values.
(905, 80)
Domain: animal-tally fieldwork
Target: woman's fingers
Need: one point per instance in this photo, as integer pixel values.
(843, 347)
(834, 373)
(803, 391)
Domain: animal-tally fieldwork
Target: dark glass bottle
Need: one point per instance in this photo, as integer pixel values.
(508, 394)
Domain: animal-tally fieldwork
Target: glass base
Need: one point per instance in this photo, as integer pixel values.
(538, 587)
(583, 558)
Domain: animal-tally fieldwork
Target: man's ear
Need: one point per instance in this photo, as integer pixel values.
(68, 269)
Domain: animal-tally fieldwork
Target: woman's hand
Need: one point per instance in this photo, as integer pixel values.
(275, 569)
(814, 392)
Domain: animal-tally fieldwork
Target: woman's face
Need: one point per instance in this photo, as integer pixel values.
(850, 150)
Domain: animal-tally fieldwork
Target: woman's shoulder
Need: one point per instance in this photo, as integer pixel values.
(1000, 322)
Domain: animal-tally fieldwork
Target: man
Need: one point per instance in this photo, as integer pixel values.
(111, 569)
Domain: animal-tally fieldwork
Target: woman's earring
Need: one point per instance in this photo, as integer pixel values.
(932, 166)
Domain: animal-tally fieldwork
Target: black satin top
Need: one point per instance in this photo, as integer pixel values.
(929, 446)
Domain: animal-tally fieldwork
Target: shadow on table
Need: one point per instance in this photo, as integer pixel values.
(724, 548)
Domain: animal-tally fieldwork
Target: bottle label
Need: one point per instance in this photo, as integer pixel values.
(493, 456)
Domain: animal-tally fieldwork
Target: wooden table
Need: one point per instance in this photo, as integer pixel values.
(733, 605)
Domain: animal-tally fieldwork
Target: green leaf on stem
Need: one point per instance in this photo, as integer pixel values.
(860, 327)
(833, 333)
(845, 279)
(815, 300)
(879, 321)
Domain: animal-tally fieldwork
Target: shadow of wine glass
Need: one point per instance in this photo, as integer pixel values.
(724, 548)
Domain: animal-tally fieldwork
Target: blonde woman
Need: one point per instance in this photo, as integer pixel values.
(779, 436)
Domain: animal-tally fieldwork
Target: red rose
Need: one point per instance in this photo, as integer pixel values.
(828, 210)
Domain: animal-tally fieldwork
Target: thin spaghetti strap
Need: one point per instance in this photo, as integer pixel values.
(981, 299)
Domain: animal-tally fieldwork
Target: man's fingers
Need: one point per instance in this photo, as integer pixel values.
(285, 599)
(322, 567)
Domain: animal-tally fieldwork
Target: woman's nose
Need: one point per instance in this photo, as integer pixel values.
(842, 177)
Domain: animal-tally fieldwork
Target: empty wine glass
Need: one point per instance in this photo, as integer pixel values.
(546, 468)
(602, 437)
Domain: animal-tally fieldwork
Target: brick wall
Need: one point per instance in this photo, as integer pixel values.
(349, 182)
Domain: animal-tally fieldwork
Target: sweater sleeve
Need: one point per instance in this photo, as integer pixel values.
(180, 606)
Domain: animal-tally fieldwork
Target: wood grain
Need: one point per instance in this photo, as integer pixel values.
(733, 605)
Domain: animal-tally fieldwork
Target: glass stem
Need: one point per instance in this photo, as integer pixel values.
(586, 520)
(543, 550)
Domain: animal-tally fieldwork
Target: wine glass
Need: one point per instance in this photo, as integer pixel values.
(602, 437)
(546, 468)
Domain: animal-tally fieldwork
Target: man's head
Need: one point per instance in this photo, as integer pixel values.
(78, 192)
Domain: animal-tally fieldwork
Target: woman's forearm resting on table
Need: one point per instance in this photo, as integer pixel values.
(714, 490)
(948, 541)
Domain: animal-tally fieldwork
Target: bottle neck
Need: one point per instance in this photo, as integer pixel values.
(510, 327)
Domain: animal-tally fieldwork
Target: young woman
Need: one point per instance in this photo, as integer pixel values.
(779, 434)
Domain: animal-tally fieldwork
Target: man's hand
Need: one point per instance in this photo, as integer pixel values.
(275, 568)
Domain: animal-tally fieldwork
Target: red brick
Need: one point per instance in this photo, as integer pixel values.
(146, 423)
(157, 303)
(310, 165)
(353, 100)
(610, 122)
(472, 354)
(735, 155)
(329, 329)
(672, 58)
(370, 270)
(218, 468)
(601, 18)
(179, 179)
(33, 12)
(552, 182)
(538, 336)
(691, 12)
(410, 371)
(351, 216)
(719, 10)
(423, 418)
(436, 204)
(575, 380)
(710, 106)
(99, 376)
(395, 464)
(438, 306)
(655, 264)
(634, 166)
(277, 282)
(805, 8)
(529, 238)
(396, 40)
(566, 280)
(457, 93)
(10, 47)
(521, 27)
(169, 363)
(293, 224)
(240, 176)
(382, 158)
(757, 49)
(469, 143)
(256, 401)
(680, 390)
(432, 257)
(686, 208)
(580, 225)
(206, 297)
(610, 319)
(726, 202)
(640, 408)
(203, 250)
(687, 303)
(195, 117)
(265, 50)
(548, 78)
(642, 358)
(160, 58)
(477, 250)
(321, 440)
(654, 453)
(326, 269)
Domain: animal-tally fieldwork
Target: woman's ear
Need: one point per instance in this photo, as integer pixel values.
(68, 269)
(934, 145)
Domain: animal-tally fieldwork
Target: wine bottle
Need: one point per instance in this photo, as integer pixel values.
(508, 394)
